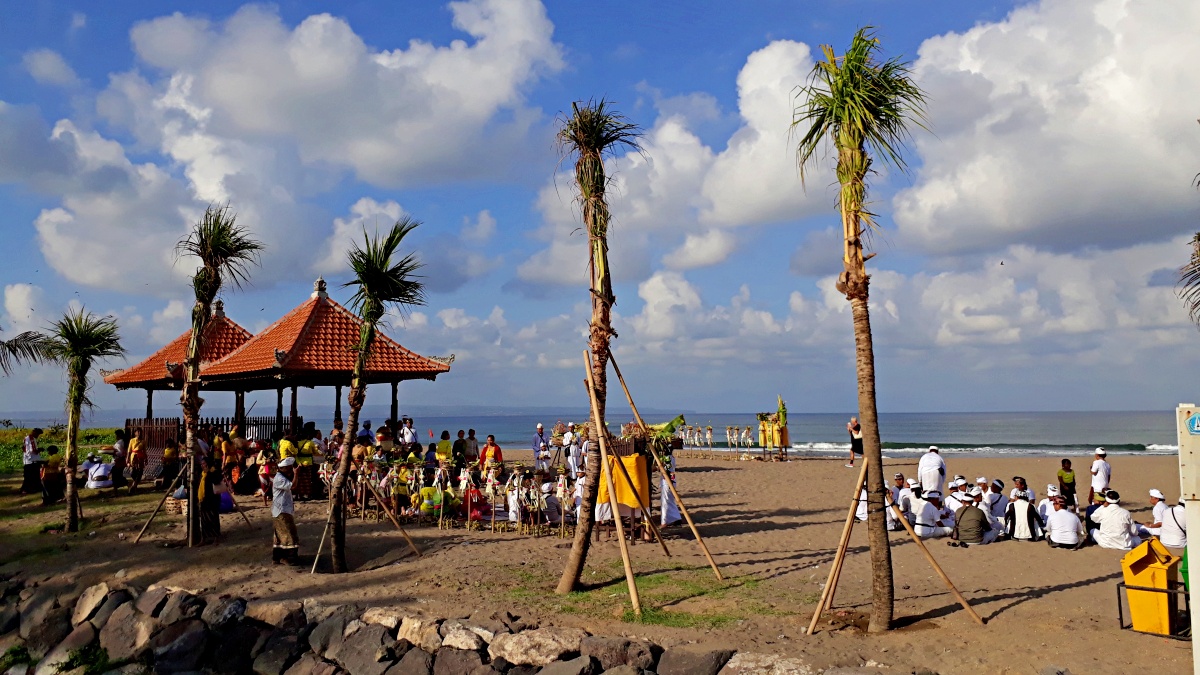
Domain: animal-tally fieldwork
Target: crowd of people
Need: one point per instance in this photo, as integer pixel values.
(121, 464)
(940, 506)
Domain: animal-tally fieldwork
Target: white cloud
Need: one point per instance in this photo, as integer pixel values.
(25, 308)
(365, 215)
(78, 22)
(47, 66)
(701, 250)
(1069, 123)
(481, 230)
(169, 322)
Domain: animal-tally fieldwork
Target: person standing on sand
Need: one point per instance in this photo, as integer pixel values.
(1101, 474)
(137, 459)
(1066, 485)
(31, 483)
(541, 449)
(856, 440)
(931, 471)
(286, 541)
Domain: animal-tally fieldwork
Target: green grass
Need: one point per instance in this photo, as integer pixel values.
(12, 443)
(92, 658)
(652, 616)
(15, 656)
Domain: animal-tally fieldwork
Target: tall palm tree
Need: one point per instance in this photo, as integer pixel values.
(379, 282)
(225, 251)
(592, 132)
(1189, 280)
(77, 341)
(28, 347)
(863, 108)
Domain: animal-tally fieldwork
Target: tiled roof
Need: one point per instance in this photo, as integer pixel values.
(222, 336)
(318, 338)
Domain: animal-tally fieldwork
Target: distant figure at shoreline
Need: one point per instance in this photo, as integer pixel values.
(856, 440)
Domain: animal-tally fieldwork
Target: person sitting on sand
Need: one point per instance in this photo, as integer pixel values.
(932, 520)
(1021, 485)
(1045, 507)
(1158, 505)
(971, 524)
(89, 463)
(931, 470)
(1063, 527)
(1173, 533)
(997, 503)
(995, 524)
(1117, 529)
(1088, 521)
(958, 496)
(1021, 521)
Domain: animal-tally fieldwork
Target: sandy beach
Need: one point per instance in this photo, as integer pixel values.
(771, 527)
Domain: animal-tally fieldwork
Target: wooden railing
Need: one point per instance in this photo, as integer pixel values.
(157, 430)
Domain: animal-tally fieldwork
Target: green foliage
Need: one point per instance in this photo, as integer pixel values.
(92, 658)
(16, 655)
(27, 347)
(652, 616)
(12, 443)
(378, 280)
(1188, 288)
(224, 248)
(78, 340)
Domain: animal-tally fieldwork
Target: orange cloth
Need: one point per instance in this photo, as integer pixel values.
(636, 466)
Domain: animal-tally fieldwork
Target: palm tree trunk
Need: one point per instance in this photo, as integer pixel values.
(356, 398)
(75, 405)
(191, 402)
(882, 589)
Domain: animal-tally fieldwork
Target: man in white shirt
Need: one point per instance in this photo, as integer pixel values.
(931, 470)
(930, 522)
(1158, 502)
(1045, 507)
(569, 441)
(1173, 533)
(1117, 529)
(996, 524)
(997, 503)
(1064, 529)
(100, 476)
(958, 496)
(407, 435)
(1101, 474)
(906, 496)
(286, 543)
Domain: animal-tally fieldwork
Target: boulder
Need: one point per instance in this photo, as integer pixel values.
(484, 633)
(329, 631)
(449, 661)
(282, 650)
(54, 628)
(461, 638)
(584, 665)
(539, 646)
(609, 651)
(35, 607)
(623, 670)
(178, 647)
(746, 663)
(114, 600)
(486, 669)
(369, 651)
(89, 602)
(10, 618)
(421, 632)
(486, 626)
(693, 660)
(317, 611)
(126, 635)
(83, 635)
(181, 605)
(311, 664)
(390, 617)
(222, 611)
(151, 602)
(231, 647)
(288, 614)
(415, 662)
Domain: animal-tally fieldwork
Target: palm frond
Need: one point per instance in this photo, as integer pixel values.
(595, 129)
(379, 281)
(225, 250)
(27, 347)
(78, 340)
(1188, 288)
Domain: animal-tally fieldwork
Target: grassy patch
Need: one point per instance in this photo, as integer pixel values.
(652, 616)
(92, 658)
(15, 656)
(12, 443)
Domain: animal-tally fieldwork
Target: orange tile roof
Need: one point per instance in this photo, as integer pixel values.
(222, 336)
(317, 338)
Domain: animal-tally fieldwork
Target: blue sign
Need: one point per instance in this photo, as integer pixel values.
(1193, 424)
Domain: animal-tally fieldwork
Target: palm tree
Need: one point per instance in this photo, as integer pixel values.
(1189, 280)
(226, 251)
(77, 341)
(863, 107)
(379, 282)
(28, 347)
(593, 132)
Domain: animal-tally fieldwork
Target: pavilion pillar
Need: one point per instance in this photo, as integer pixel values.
(292, 411)
(395, 406)
(239, 409)
(149, 404)
(279, 408)
(337, 402)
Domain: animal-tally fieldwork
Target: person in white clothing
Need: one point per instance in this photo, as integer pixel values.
(995, 524)
(930, 521)
(670, 509)
(1101, 474)
(1158, 503)
(931, 470)
(958, 496)
(1046, 507)
(1021, 521)
(285, 544)
(1117, 529)
(1064, 529)
(1173, 533)
(100, 476)
(861, 512)
(997, 502)
(1021, 485)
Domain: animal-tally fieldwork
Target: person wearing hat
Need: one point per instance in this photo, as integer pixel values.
(541, 449)
(1173, 533)
(1046, 506)
(971, 524)
(995, 524)
(89, 463)
(995, 500)
(1088, 521)
(932, 519)
(1117, 529)
(931, 470)
(958, 496)
(1063, 527)
(1021, 520)
(99, 476)
(1158, 504)
(1101, 474)
(907, 496)
(285, 540)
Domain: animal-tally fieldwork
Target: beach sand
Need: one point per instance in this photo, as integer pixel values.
(772, 528)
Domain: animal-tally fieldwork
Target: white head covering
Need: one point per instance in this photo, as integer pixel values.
(913, 482)
(960, 482)
(1101, 452)
(982, 479)
(933, 494)
(1051, 490)
(933, 448)
(1157, 494)
(570, 425)
(540, 426)
(976, 492)
(288, 461)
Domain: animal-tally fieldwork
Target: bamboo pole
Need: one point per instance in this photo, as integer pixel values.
(162, 501)
(929, 556)
(835, 569)
(391, 516)
(612, 491)
(324, 533)
(235, 504)
(645, 506)
(662, 469)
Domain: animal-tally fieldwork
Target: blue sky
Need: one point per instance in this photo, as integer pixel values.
(1063, 145)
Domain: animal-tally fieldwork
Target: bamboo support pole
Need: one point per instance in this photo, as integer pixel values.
(929, 556)
(645, 507)
(324, 534)
(235, 504)
(670, 484)
(162, 501)
(835, 570)
(612, 491)
(391, 516)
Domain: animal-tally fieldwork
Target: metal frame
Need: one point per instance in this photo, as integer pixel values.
(1182, 613)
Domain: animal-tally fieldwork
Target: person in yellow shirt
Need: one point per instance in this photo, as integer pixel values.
(170, 462)
(445, 449)
(287, 448)
(137, 459)
(431, 501)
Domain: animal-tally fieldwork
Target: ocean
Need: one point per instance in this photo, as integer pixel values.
(824, 434)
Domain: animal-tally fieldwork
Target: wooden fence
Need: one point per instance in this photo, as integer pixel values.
(156, 431)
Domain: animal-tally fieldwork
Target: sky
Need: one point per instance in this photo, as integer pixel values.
(1026, 261)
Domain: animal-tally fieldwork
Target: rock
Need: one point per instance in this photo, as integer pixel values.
(370, 651)
(220, 612)
(317, 611)
(178, 647)
(83, 635)
(461, 638)
(282, 650)
(35, 608)
(623, 670)
(539, 646)
(151, 602)
(522, 670)
(1054, 670)
(310, 664)
(415, 662)
(642, 654)
(130, 669)
(610, 652)
(89, 602)
(181, 605)
(287, 614)
(126, 635)
(390, 617)
(231, 647)
(746, 663)
(484, 633)
(114, 600)
(10, 619)
(584, 665)
(421, 632)
(486, 670)
(54, 628)
(693, 660)
(328, 631)
(450, 661)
